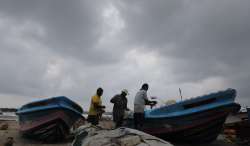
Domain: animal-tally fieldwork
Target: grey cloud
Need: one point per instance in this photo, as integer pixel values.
(72, 29)
(61, 47)
(149, 23)
(203, 39)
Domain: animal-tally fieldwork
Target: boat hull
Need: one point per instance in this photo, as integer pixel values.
(200, 127)
(52, 125)
(48, 123)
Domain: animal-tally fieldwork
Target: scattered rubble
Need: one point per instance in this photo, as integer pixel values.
(238, 131)
(9, 141)
(4, 126)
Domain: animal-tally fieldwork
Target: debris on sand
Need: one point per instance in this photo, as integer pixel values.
(237, 131)
(4, 126)
(9, 141)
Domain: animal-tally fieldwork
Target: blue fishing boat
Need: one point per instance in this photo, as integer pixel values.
(49, 120)
(196, 120)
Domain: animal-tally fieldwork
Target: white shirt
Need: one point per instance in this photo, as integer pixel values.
(139, 103)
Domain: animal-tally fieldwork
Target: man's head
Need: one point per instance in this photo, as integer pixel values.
(99, 91)
(124, 92)
(145, 87)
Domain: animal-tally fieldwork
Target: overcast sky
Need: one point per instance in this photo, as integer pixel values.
(62, 47)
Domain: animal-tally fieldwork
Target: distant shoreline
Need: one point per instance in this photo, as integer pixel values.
(8, 109)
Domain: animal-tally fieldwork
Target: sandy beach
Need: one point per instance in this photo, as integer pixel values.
(12, 131)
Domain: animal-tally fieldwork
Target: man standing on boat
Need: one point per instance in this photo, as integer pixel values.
(96, 108)
(140, 101)
(120, 105)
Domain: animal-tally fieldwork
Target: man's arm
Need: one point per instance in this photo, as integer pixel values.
(113, 100)
(145, 96)
(96, 103)
(126, 103)
(148, 102)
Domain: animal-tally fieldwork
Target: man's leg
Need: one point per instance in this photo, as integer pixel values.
(119, 122)
(140, 120)
(93, 119)
(90, 119)
(96, 121)
(136, 120)
(115, 118)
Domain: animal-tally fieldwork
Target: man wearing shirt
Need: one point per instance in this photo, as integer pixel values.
(140, 101)
(120, 106)
(96, 107)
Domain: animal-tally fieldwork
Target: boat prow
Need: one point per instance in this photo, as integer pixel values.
(49, 120)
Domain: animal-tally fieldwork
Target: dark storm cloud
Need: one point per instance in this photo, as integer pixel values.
(72, 28)
(208, 31)
(70, 48)
(205, 39)
(46, 44)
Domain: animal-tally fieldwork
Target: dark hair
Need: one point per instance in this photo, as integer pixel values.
(144, 86)
(99, 91)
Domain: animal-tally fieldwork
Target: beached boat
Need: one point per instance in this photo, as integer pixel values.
(49, 120)
(196, 120)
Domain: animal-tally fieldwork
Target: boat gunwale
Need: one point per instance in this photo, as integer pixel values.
(51, 107)
(58, 105)
(188, 111)
(58, 98)
(152, 113)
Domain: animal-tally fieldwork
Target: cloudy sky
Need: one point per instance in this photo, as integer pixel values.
(61, 47)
